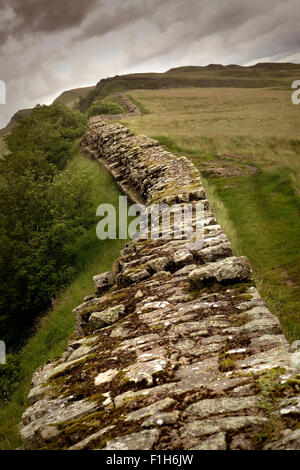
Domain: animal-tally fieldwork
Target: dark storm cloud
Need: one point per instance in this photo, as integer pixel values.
(44, 16)
(120, 14)
(182, 23)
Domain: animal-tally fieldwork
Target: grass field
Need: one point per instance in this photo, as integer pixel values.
(55, 328)
(259, 127)
(253, 136)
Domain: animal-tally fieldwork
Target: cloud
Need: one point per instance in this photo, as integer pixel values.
(19, 17)
(48, 47)
(117, 14)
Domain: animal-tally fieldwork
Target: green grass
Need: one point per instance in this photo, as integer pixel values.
(71, 97)
(55, 328)
(2, 147)
(139, 105)
(260, 215)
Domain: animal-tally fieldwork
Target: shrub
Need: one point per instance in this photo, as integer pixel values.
(105, 106)
(42, 212)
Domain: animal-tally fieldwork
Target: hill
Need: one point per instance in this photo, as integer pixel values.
(71, 97)
(68, 98)
(213, 75)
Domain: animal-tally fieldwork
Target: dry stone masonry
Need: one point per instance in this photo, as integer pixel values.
(176, 349)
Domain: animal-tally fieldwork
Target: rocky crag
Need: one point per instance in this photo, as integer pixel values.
(176, 349)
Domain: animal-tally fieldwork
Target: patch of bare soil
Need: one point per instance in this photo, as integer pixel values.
(228, 169)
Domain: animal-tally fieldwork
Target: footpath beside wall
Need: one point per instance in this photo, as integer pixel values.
(176, 349)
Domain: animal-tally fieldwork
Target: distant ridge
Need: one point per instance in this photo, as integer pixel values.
(260, 75)
(71, 97)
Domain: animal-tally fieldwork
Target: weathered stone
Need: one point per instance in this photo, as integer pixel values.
(155, 353)
(295, 361)
(103, 282)
(84, 444)
(182, 257)
(38, 393)
(215, 442)
(88, 297)
(120, 332)
(243, 390)
(144, 371)
(276, 357)
(231, 269)
(50, 371)
(185, 344)
(198, 374)
(158, 264)
(138, 341)
(161, 419)
(216, 406)
(48, 432)
(80, 352)
(106, 317)
(45, 412)
(143, 440)
(266, 325)
(105, 377)
(289, 442)
(230, 424)
(198, 194)
(240, 442)
(290, 406)
(149, 410)
(215, 253)
(137, 276)
(150, 306)
(154, 393)
(268, 341)
(201, 326)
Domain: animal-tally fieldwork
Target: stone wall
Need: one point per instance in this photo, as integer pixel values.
(176, 349)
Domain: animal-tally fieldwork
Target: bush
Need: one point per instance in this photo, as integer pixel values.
(105, 106)
(50, 130)
(42, 212)
(10, 375)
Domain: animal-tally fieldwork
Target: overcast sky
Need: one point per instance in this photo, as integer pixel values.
(48, 46)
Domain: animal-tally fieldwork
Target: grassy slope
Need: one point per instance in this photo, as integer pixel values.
(70, 97)
(259, 212)
(54, 330)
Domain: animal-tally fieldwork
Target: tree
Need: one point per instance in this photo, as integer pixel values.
(42, 211)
